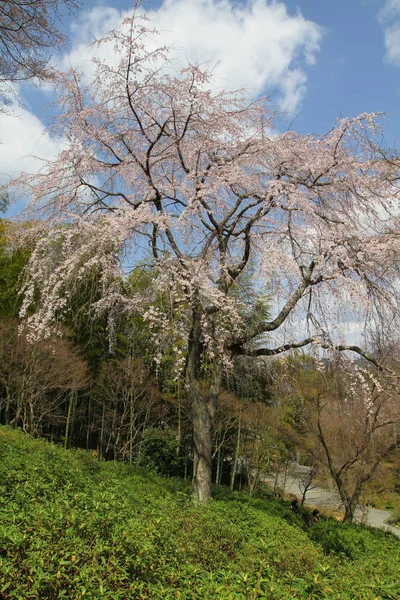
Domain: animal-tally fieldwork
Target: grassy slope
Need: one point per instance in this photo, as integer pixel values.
(73, 528)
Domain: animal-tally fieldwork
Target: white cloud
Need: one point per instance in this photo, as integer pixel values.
(256, 45)
(93, 24)
(23, 138)
(390, 8)
(389, 17)
(24, 144)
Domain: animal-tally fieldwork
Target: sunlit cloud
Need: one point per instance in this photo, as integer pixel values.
(257, 45)
(24, 143)
(389, 17)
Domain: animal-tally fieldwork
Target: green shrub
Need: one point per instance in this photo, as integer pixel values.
(160, 451)
(345, 539)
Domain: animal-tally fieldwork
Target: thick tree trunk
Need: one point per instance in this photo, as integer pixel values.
(202, 418)
(351, 503)
(202, 406)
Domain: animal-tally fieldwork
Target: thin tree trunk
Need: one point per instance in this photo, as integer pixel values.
(31, 419)
(88, 424)
(67, 425)
(7, 407)
(218, 473)
(72, 424)
(101, 442)
(131, 420)
(144, 427)
(179, 432)
(237, 450)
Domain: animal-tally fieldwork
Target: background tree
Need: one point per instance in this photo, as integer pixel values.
(126, 397)
(264, 447)
(353, 422)
(36, 379)
(307, 482)
(12, 261)
(159, 160)
(29, 34)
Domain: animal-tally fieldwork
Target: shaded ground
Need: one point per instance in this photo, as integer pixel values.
(328, 498)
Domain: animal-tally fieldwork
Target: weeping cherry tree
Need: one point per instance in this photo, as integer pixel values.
(158, 162)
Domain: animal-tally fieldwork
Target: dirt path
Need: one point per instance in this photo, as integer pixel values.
(328, 498)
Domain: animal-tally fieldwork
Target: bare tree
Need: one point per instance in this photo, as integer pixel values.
(306, 482)
(36, 378)
(353, 416)
(29, 33)
(126, 395)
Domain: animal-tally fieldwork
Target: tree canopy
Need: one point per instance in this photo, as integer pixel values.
(29, 32)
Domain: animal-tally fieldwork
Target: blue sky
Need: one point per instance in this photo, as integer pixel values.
(352, 73)
(319, 60)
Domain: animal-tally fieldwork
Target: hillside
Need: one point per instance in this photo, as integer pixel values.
(72, 527)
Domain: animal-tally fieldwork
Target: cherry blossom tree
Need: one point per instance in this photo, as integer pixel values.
(161, 163)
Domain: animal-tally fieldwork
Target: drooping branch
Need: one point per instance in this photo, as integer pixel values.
(357, 350)
(242, 351)
(247, 350)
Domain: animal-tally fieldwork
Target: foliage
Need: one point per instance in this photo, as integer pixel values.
(71, 527)
(12, 262)
(347, 539)
(4, 202)
(160, 450)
